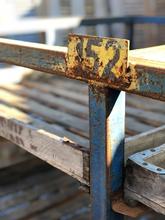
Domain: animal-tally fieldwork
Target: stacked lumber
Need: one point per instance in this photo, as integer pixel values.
(41, 112)
(38, 191)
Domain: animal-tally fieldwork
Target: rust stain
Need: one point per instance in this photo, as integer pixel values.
(120, 206)
(98, 59)
(33, 147)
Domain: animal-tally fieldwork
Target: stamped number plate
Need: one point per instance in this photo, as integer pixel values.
(95, 58)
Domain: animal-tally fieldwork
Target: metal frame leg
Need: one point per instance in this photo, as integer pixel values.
(107, 119)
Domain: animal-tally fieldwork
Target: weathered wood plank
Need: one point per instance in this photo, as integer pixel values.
(144, 103)
(50, 115)
(49, 100)
(149, 117)
(42, 202)
(62, 92)
(145, 178)
(73, 160)
(55, 150)
(40, 124)
(130, 121)
(145, 140)
(81, 98)
(34, 191)
(152, 56)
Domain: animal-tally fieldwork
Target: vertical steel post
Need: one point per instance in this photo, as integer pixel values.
(107, 117)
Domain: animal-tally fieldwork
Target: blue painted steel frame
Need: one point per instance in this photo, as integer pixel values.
(130, 21)
(107, 130)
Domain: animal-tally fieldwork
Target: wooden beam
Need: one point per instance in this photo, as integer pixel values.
(145, 178)
(57, 151)
(44, 141)
(145, 140)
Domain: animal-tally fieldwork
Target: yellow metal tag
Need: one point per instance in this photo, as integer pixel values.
(95, 58)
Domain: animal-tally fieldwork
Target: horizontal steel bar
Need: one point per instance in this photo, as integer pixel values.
(124, 20)
(148, 19)
(34, 56)
(143, 78)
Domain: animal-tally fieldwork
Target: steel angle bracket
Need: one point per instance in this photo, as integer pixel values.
(96, 59)
(145, 178)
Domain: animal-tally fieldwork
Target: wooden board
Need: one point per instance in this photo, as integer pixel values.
(51, 114)
(145, 178)
(60, 152)
(26, 192)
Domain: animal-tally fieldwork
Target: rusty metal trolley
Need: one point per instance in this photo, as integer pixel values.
(110, 70)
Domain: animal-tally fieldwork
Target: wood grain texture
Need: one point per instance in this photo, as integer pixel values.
(57, 151)
(35, 197)
(48, 142)
(33, 192)
(152, 56)
(59, 107)
(50, 115)
(145, 140)
(145, 178)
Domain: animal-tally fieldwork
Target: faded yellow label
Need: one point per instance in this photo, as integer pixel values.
(103, 57)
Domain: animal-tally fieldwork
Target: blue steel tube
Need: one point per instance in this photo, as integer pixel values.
(107, 130)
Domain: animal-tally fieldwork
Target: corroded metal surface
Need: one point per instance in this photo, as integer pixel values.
(33, 55)
(101, 61)
(146, 81)
(94, 58)
(107, 118)
(120, 206)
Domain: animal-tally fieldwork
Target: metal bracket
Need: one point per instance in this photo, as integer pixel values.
(149, 159)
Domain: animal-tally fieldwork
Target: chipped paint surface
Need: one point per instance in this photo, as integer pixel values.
(96, 58)
(107, 118)
(98, 61)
